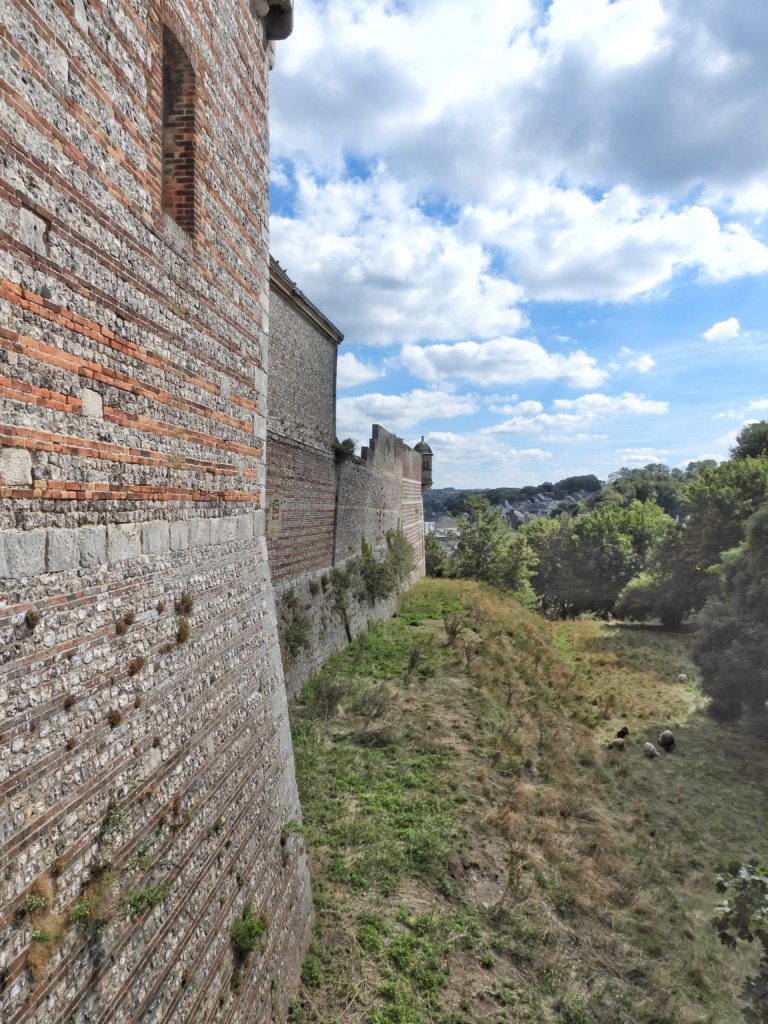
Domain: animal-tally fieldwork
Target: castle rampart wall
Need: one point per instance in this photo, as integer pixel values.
(321, 509)
(146, 770)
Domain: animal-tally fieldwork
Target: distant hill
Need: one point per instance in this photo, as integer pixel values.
(450, 500)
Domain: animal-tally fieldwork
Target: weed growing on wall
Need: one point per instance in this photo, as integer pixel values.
(245, 936)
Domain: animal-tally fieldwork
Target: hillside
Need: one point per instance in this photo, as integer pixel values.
(450, 500)
(476, 853)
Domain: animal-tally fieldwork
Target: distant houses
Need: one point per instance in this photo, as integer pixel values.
(522, 510)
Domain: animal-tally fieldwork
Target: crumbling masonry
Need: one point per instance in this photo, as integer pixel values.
(146, 774)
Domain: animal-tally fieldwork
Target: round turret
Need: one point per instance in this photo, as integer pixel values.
(426, 463)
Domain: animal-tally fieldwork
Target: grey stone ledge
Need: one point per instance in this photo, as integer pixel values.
(25, 553)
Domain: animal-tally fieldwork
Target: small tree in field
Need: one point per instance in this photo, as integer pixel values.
(437, 561)
(491, 551)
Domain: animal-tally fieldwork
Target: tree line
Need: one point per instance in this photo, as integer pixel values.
(654, 544)
(453, 501)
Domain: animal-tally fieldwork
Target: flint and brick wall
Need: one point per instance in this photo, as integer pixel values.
(142, 743)
(319, 510)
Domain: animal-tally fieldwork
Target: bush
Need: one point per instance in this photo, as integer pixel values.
(245, 934)
(344, 450)
(646, 597)
(732, 644)
(437, 561)
(296, 634)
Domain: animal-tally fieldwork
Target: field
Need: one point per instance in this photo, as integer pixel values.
(479, 856)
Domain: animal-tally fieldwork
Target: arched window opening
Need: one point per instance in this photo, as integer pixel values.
(178, 133)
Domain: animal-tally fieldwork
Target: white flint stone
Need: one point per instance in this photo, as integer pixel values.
(25, 553)
(33, 231)
(81, 15)
(244, 528)
(179, 535)
(155, 537)
(199, 533)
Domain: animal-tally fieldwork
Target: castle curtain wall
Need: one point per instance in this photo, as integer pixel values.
(145, 744)
(320, 510)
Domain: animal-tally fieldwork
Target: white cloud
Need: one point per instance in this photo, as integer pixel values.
(757, 409)
(399, 413)
(723, 330)
(501, 361)
(641, 456)
(351, 371)
(562, 244)
(574, 415)
(472, 459)
(385, 271)
(539, 135)
(632, 360)
(642, 363)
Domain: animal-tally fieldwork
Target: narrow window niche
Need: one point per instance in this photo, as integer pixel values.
(178, 134)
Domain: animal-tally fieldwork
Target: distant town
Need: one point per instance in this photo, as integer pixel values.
(444, 507)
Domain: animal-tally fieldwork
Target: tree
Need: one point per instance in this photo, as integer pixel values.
(437, 561)
(732, 643)
(584, 563)
(743, 918)
(752, 442)
(716, 505)
(481, 542)
(491, 551)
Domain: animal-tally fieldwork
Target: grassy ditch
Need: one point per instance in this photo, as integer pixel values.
(477, 853)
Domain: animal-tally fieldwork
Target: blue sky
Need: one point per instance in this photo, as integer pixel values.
(541, 226)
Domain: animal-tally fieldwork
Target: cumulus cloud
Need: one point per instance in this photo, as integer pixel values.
(473, 458)
(568, 93)
(572, 416)
(757, 409)
(642, 362)
(527, 156)
(501, 361)
(378, 265)
(562, 244)
(723, 330)
(641, 456)
(351, 371)
(399, 413)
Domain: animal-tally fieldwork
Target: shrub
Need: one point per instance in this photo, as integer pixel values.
(185, 603)
(646, 597)
(114, 718)
(182, 632)
(344, 450)
(31, 620)
(138, 901)
(296, 633)
(245, 934)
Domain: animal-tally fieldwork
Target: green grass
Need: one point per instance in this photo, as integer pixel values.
(477, 855)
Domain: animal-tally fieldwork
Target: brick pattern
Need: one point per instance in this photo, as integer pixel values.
(133, 354)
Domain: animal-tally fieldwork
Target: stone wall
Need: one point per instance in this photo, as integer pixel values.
(146, 769)
(320, 510)
(377, 493)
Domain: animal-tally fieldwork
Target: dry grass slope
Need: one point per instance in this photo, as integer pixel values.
(478, 855)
